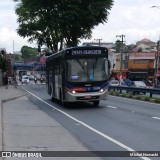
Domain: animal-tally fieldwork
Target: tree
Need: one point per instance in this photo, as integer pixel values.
(53, 22)
(28, 51)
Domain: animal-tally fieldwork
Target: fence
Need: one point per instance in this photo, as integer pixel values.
(151, 91)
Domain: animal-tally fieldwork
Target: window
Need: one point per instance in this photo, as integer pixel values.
(84, 70)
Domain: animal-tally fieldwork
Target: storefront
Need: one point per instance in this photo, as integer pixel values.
(141, 66)
(116, 74)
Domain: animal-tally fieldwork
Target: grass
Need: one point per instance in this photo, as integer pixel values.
(136, 96)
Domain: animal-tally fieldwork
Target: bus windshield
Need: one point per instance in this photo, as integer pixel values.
(84, 70)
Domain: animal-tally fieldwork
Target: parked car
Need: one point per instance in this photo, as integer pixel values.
(25, 79)
(139, 84)
(114, 83)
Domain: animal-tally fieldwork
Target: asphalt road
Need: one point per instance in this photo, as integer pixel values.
(118, 124)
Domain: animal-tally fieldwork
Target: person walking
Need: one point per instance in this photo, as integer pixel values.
(5, 80)
(35, 79)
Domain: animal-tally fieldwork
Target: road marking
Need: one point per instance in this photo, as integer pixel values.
(89, 127)
(112, 107)
(156, 118)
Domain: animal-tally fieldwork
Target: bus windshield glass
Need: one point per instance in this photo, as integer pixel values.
(86, 70)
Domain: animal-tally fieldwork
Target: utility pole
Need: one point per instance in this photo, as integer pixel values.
(121, 50)
(157, 62)
(13, 57)
(99, 41)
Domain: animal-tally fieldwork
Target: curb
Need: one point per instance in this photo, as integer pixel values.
(10, 99)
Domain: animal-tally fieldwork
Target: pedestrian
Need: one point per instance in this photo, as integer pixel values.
(35, 79)
(5, 81)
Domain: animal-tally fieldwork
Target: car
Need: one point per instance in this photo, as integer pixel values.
(25, 79)
(114, 83)
(31, 77)
(139, 84)
(127, 82)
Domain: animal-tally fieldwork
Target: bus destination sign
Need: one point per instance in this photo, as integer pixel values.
(86, 52)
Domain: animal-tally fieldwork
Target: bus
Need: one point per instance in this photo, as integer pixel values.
(78, 74)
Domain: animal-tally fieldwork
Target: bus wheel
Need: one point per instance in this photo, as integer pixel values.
(96, 103)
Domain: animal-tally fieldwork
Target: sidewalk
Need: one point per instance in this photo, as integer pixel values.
(8, 94)
(24, 127)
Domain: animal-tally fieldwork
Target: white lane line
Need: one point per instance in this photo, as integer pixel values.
(156, 118)
(112, 107)
(89, 127)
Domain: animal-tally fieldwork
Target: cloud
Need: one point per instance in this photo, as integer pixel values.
(135, 19)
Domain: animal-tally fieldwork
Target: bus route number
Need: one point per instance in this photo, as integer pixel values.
(86, 52)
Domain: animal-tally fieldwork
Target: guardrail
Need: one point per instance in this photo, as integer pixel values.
(134, 89)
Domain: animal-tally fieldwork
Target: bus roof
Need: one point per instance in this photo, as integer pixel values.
(80, 51)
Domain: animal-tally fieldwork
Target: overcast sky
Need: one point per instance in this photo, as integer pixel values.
(133, 18)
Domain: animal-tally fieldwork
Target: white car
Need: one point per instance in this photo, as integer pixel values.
(114, 83)
(25, 79)
(139, 84)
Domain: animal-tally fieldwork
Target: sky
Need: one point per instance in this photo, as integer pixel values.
(136, 19)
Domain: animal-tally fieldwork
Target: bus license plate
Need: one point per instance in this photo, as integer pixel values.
(87, 97)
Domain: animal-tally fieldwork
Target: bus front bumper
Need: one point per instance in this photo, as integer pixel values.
(86, 96)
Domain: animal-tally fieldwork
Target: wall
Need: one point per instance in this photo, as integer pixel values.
(141, 60)
(140, 64)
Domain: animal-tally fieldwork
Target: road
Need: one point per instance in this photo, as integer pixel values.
(118, 124)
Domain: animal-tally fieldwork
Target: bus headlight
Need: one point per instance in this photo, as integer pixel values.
(102, 90)
(73, 92)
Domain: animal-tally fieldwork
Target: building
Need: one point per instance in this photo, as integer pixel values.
(141, 66)
(145, 45)
(116, 61)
